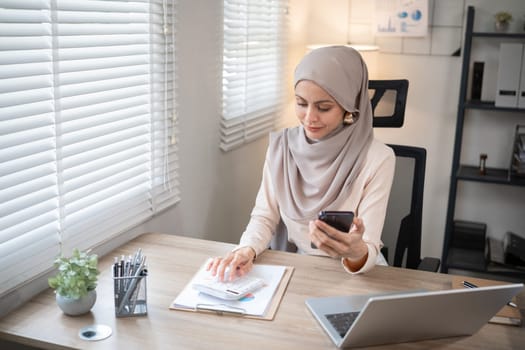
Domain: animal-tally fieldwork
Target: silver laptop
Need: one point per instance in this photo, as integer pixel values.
(409, 316)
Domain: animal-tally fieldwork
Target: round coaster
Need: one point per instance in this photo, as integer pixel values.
(94, 332)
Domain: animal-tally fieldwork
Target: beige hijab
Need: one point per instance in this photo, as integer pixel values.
(310, 177)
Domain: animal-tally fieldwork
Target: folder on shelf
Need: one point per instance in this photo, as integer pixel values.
(508, 315)
(521, 91)
(508, 84)
(263, 304)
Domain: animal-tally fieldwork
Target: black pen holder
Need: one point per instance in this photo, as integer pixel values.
(131, 295)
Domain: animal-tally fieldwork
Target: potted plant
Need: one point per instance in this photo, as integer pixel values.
(503, 19)
(75, 282)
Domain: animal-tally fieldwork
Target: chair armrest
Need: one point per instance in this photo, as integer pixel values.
(429, 264)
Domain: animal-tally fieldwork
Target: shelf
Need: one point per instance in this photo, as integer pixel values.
(489, 105)
(475, 261)
(507, 276)
(499, 35)
(455, 258)
(493, 175)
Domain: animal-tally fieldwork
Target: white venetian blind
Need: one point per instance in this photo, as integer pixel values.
(253, 65)
(86, 125)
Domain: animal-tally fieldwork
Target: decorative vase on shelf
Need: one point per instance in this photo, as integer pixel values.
(79, 306)
(501, 27)
(502, 20)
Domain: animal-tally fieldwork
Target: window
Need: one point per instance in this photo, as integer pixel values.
(253, 65)
(87, 125)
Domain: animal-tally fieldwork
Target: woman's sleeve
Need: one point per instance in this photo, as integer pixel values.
(372, 207)
(264, 217)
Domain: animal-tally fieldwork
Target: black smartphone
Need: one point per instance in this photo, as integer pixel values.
(341, 220)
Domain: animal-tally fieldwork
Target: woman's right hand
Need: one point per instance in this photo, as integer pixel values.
(240, 261)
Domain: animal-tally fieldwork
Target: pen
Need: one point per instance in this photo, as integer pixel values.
(115, 267)
(117, 273)
(467, 284)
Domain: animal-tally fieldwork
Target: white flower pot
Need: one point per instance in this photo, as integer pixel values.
(75, 307)
(501, 27)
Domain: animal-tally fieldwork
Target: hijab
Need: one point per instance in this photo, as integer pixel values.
(310, 177)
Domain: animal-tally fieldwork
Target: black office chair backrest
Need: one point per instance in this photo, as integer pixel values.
(393, 94)
(388, 102)
(409, 236)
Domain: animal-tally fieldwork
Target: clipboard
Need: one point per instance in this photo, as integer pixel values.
(224, 308)
(507, 315)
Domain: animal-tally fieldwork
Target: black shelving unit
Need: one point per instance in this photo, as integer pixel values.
(458, 258)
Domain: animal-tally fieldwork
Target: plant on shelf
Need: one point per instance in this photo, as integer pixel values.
(75, 282)
(503, 19)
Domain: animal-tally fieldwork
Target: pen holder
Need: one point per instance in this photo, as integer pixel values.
(131, 295)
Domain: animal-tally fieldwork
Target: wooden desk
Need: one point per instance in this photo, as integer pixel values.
(172, 261)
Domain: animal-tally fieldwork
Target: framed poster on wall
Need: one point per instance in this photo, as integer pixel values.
(401, 18)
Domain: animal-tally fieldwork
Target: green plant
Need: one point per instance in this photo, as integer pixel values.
(76, 276)
(503, 17)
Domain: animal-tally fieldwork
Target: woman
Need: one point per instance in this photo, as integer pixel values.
(331, 161)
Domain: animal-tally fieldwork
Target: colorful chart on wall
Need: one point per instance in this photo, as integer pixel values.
(401, 18)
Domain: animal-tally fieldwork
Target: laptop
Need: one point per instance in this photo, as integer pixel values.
(408, 316)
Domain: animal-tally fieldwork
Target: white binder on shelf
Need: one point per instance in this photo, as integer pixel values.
(521, 91)
(510, 63)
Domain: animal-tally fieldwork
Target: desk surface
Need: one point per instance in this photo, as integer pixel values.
(172, 261)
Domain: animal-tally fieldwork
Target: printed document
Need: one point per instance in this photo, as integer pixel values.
(255, 303)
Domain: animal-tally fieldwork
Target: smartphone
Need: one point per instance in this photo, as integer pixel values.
(341, 220)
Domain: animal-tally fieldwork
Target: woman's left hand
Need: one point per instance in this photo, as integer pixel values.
(337, 243)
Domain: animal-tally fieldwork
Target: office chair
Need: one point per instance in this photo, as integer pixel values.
(408, 244)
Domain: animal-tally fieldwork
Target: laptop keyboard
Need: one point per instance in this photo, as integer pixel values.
(342, 321)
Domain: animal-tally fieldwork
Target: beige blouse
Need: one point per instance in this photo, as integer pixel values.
(368, 200)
